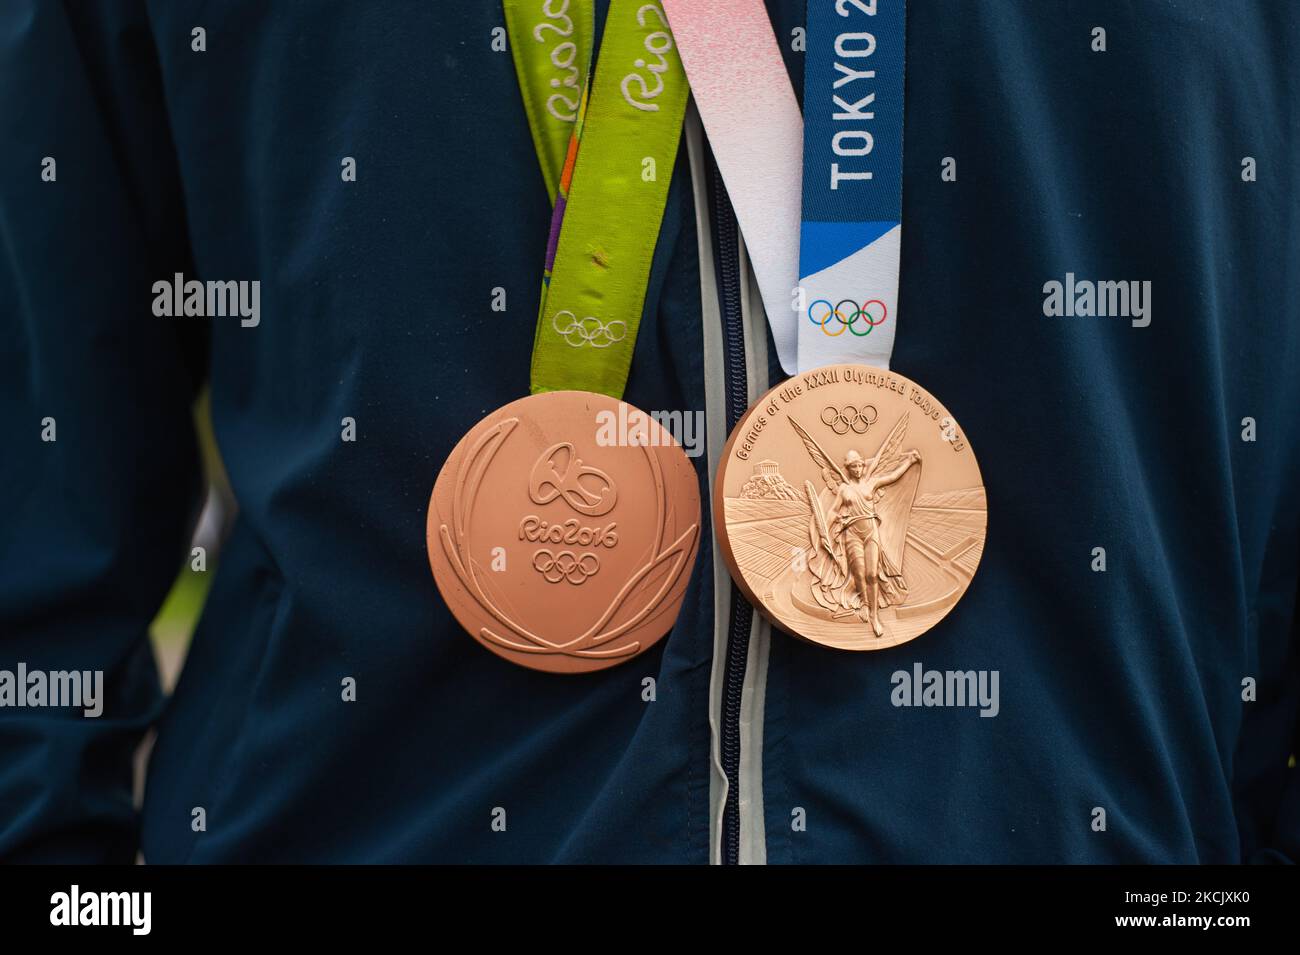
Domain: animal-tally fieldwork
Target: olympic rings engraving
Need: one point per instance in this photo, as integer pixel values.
(847, 317)
(591, 331)
(850, 417)
(566, 565)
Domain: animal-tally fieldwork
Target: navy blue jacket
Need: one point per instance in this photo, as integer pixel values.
(1120, 690)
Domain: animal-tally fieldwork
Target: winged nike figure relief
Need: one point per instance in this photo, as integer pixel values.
(857, 526)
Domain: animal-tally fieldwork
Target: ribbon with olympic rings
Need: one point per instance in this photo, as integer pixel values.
(630, 112)
(850, 234)
(850, 204)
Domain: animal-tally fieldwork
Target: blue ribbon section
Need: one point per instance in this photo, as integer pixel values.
(853, 127)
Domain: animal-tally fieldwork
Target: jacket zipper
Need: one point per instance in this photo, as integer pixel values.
(737, 390)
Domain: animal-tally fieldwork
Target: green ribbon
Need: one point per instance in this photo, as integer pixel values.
(551, 45)
(608, 224)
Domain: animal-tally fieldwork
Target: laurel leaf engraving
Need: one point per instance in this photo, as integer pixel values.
(675, 556)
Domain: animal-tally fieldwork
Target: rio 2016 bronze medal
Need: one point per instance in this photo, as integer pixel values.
(850, 507)
(562, 531)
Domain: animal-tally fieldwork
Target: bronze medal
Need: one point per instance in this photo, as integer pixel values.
(850, 507)
(562, 531)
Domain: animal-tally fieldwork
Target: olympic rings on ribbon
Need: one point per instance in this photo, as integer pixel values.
(588, 331)
(566, 565)
(841, 420)
(848, 317)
